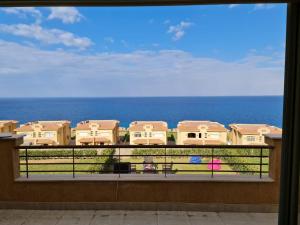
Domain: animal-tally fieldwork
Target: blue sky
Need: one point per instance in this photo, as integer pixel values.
(142, 51)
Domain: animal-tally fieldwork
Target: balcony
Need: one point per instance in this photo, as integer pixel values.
(146, 162)
(169, 180)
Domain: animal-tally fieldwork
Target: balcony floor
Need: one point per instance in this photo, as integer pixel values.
(121, 217)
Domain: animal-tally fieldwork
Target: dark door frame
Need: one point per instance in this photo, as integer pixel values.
(288, 209)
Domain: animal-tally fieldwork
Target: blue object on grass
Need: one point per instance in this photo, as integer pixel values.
(195, 159)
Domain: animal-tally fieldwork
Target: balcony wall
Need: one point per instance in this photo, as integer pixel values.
(205, 194)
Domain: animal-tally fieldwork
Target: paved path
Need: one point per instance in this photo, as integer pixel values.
(90, 217)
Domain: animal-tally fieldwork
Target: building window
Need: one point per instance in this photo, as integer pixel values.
(145, 134)
(191, 135)
(200, 135)
(137, 134)
(40, 135)
(250, 138)
(150, 134)
(48, 135)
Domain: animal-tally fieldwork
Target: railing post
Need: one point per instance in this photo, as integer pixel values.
(165, 169)
(212, 162)
(73, 151)
(26, 159)
(261, 162)
(119, 162)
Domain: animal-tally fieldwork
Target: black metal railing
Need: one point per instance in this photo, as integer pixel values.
(145, 159)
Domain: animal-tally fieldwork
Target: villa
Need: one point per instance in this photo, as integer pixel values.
(8, 126)
(251, 134)
(97, 132)
(46, 132)
(201, 133)
(148, 133)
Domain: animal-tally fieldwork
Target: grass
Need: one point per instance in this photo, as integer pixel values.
(177, 168)
(60, 167)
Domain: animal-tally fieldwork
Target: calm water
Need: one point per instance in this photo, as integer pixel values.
(225, 110)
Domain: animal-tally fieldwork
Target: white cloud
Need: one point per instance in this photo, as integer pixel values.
(139, 73)
(46, 36)
(231, 6)
(178, 31)
(67, 15)
(23, 12)
(263, 6)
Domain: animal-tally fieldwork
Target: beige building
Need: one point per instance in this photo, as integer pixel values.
(46, 132)
(8, 126)
(148, 133)
(251, 134)
(201, 133)
(97, 132)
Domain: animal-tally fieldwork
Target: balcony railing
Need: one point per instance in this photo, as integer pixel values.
(163, 160)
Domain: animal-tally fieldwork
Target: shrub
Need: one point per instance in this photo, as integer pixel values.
(108, 161)
(239, 162)
(49, 153)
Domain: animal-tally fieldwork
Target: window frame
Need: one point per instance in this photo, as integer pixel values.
(288, 209)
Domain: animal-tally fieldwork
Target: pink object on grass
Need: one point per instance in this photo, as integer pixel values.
(215, 164)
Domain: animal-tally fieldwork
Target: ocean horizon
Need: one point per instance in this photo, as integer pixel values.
(222, 109)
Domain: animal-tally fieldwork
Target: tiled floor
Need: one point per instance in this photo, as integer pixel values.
(90, 217)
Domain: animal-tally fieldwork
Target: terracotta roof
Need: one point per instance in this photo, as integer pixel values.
(45, 141)
(154, 126)
(148, 141)
(50, 127)
(255, 129)
(101, 124)
(45, 125)
(194, 126)
(24, 128)
(201, 142)
(4, 122)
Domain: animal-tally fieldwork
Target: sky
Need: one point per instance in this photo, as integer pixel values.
(216, 50)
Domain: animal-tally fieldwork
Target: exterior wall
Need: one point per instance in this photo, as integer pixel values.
(239, 139)
(96, 191)
(252, 139)
(183, 136)
(8, 127)
(112, 135)
(251, 134)
(60, 137)
(67, 135)
(148, 134)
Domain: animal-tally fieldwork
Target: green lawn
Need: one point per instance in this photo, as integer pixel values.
(179, 168)
(61, 166)
(65, 168)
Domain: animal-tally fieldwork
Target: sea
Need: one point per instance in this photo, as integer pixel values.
(225, 110)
